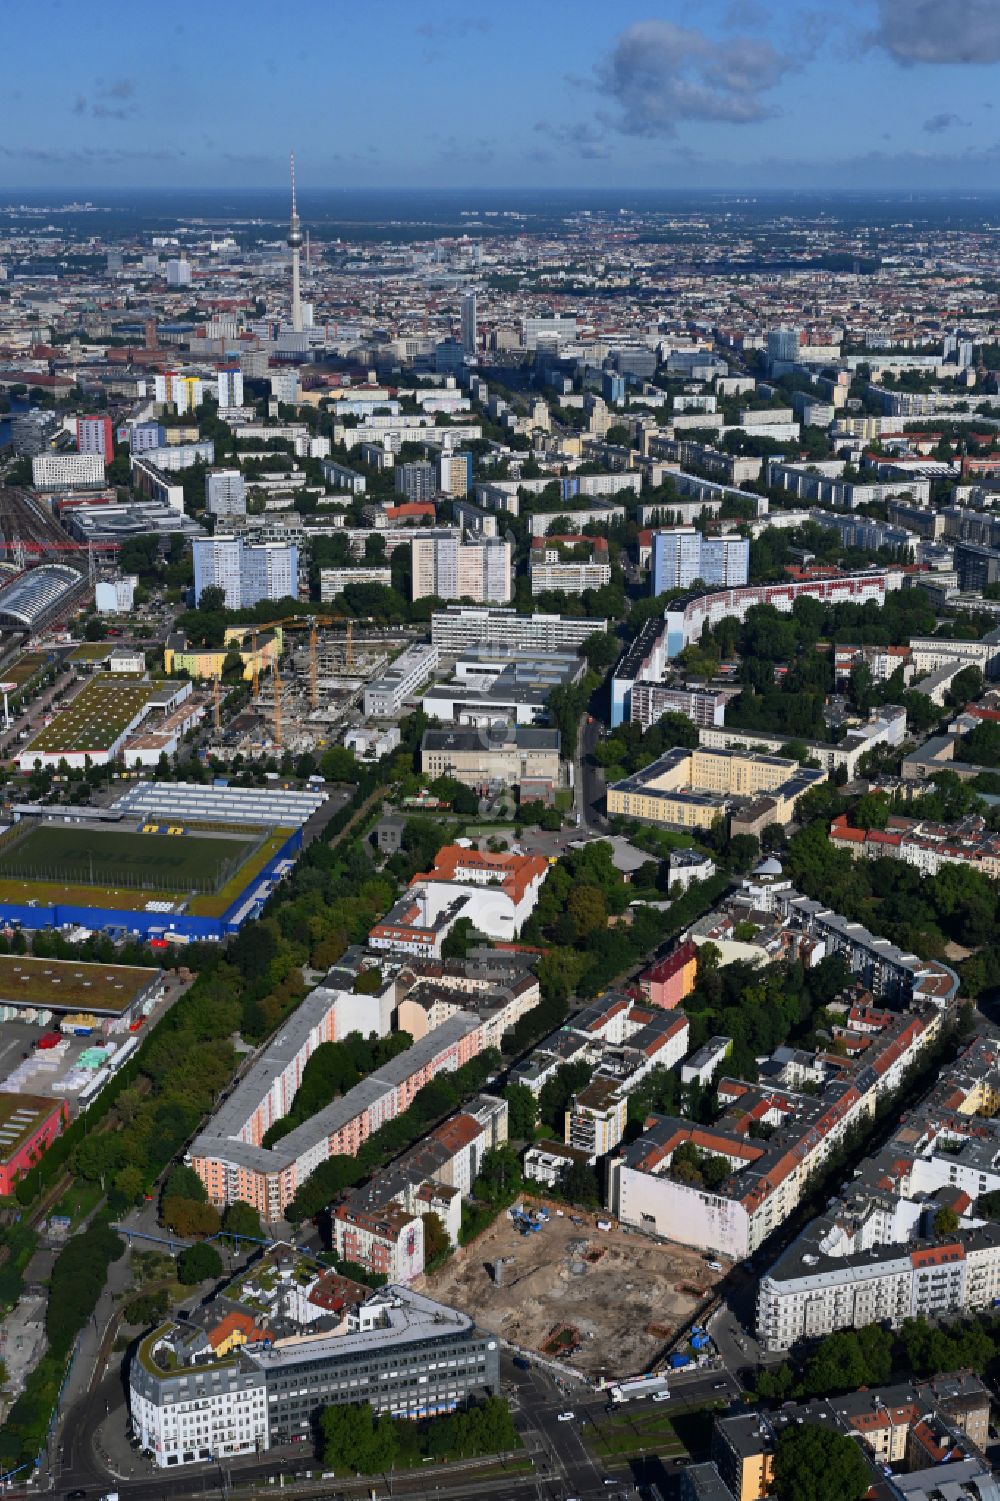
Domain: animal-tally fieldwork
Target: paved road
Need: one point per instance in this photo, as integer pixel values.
(591, 789)
(564, 1466)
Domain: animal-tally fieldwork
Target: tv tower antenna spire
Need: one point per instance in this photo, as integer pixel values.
(295, 245)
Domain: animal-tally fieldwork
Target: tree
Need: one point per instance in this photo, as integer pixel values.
(558, 1091)
(580, 1186)
(212, 598)
(499, 1174)
(129, 1183)
(437, 1246)
(587, 911)
(872, 811)
(190, 1217)
(97, 1157)
(183, 1183)
(522, 1112)
(198, 1264)
(242, 1219)
(945, 1222)
(354, 1439)
(455, 944)
(965, 687)
(78, 1275)
(812, 1463)
(338, 765)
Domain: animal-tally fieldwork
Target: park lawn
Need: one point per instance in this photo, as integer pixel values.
(79, 1201)
(25, 667)
(635, 1433)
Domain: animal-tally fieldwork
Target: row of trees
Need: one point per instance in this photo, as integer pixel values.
(333, 1069)
(873, 1356)
(78, 1277)
(439, 1098)
(354, 1440)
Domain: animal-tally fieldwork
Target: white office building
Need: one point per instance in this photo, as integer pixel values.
(67, 471)
(385, 697)
(115, 596)
(458, 627)
(178, 273)
(332, 581)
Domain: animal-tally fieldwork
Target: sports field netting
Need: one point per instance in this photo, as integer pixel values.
(118, 858)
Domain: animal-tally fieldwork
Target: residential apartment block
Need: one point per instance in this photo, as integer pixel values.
(682, 555)
(461, 626)
(449, 568)
(227, 1154)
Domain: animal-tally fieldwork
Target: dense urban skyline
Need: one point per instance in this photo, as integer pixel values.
(754, 93)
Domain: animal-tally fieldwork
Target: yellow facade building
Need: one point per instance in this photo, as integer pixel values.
(690, 789)
(208, 661)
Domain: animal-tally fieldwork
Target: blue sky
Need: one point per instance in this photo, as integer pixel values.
(533, 93)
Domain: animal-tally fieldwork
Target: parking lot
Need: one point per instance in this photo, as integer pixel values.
(607, 1302)
(46, 1071)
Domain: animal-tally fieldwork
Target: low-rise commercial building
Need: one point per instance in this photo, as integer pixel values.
(219, 1387)
(29, 1124)
(494, 686)
(514, 755)
(385, 697)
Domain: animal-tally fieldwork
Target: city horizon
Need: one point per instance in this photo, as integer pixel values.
(868, 94)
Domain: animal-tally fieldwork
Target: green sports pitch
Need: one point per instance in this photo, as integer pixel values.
(118, 858)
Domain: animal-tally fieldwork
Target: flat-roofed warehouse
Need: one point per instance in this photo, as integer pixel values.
(66, 985)
(28, 1126)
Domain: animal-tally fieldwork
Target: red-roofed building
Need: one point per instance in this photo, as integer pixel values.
(669, 980)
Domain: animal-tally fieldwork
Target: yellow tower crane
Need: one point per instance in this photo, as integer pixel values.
(276, 684)
(313, 675)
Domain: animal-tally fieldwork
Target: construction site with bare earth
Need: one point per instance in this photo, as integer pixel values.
(607, 1302)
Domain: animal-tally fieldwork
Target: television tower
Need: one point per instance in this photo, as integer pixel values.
(295, 245)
